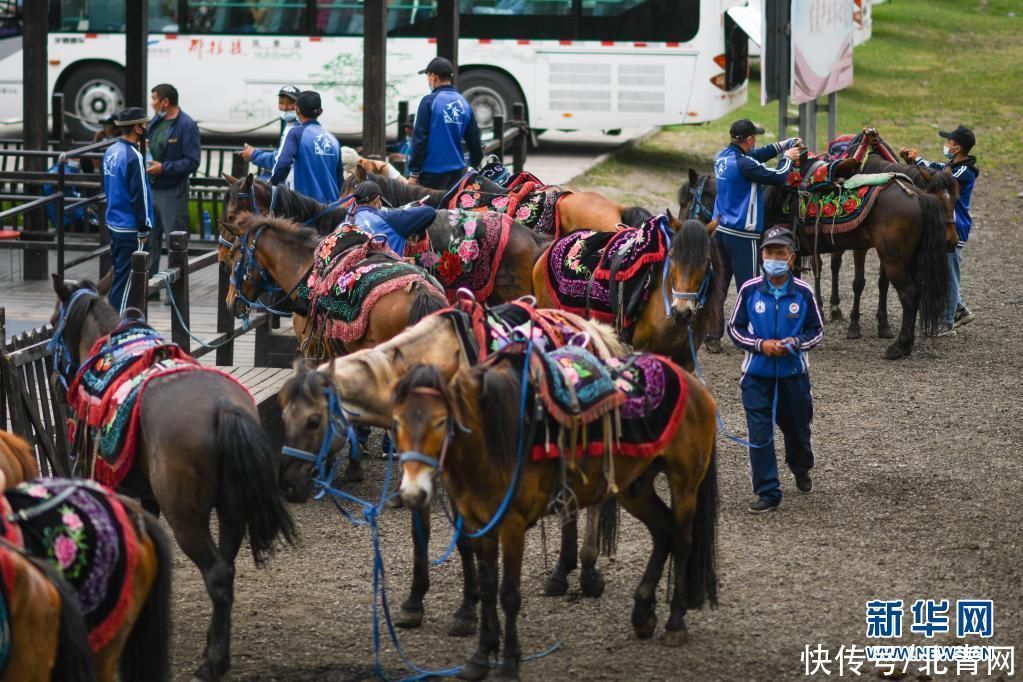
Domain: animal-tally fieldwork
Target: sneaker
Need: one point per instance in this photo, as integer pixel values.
(712, 345)
(804, 483)
(945, 329)
(762, 505)
(963, 316)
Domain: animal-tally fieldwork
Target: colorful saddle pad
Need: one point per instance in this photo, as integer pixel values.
(85, 532)
(607, 275)
(836, 210)
(575, 386)
(534, 206)
(106, 394)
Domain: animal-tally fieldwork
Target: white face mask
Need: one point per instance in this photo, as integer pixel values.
(289, 116)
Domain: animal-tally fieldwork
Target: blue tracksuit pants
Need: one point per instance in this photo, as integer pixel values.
(740, 260)
(122, 245)
(795, 418)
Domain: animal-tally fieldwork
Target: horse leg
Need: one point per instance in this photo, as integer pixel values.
(463, 623)
(884, 328)
(641, 500)
(683, 508)
(859, 281)
(908, 296)
(410, 615)
(477, 666)
(818, 266)
(836, 297)
(513, 538)
(590, 579)
(556, 584)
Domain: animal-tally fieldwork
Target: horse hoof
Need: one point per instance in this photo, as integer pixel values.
(853, 333)
(885, 332)
(205, 673)
(507, 675)
(461, 627)
(895, 352)
(474, 669)
(409, 618)
(556, 585)
(353, 473)
(675, 638)
(645, 629)
(592, 583)
(836, 315)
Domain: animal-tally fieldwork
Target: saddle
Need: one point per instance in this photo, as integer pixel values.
(574, 385)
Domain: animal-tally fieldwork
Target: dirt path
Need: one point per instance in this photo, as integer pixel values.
(917, 495)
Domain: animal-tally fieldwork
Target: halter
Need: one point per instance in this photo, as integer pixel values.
(700, 295)
(338, 426)
(63, 363)
(698, 210)
(247, 268)
(433, 462)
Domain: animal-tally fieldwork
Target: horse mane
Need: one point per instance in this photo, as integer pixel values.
(106, 317)
(499, 401)
(635, 216)
(305, 386)
(291, 203)
(420, 376)
(399, 193)
(288, 230)
(943, 182)
(691, 247)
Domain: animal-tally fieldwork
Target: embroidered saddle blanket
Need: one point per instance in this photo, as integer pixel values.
(106, 394)
(528, 203)
(574, 385)
(85, 532)
(835, 211)
(607, 275)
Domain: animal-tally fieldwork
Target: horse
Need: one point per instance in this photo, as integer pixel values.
(189, 460)
(363, 382)
(139, 638)
(472, 430)
(687, 269)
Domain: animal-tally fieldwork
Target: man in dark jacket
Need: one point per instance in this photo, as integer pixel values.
(443, 120)
(964, 169)
(129, 215)
(311, 154)
(173, 145)
(776, 320)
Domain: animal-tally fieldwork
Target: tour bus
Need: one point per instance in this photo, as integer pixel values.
(575, 64)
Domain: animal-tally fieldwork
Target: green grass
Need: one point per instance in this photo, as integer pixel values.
(930, 65)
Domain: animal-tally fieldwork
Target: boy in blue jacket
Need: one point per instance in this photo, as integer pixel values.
(776, 320)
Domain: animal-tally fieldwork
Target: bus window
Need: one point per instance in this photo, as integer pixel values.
(517, 7)
(608, 8)
(107, 16)
(345, 17)
(275, 17)
(640, 20)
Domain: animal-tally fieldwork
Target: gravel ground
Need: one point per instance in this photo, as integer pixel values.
(917, 495)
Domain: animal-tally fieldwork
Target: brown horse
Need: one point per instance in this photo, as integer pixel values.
(363, 383)
(201, 447)
(482, 457)
(141, 644)
(695, 302)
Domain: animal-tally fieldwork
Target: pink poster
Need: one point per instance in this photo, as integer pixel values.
(822, 48)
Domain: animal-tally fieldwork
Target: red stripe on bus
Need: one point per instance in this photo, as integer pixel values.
(315, 39)
(170, 36)
(91, 35)
(639, 44)
(431, 41)
(485, 41)
(523, 42)
(607, 43)
(673, 44)
(564, 42)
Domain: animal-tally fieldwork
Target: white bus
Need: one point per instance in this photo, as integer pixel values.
(575, 64)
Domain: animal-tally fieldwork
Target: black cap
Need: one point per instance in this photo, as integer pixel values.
(289, 91)
(963, 135)
(131, 116)
(778, 235)
(744, 128)
(107, 120)
(367, 191)
(439, 66)
(308, 104)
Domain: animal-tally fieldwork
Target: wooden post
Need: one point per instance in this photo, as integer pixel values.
(402, 117)
(374, 84)
(261, 351)
(521, 142)
(447, 31)
(177, 258)
(138, 295)
(225, 320)
(239, 166)
(499, 137)
(136, 53)
(34, 89)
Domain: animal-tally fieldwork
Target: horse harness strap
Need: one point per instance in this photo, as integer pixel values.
(699, 210)
(25, 515)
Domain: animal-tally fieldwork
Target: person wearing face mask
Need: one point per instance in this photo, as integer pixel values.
(129, 214)
(443, 120)
(963, 166)
(776, 321)
(266, 158)
(312, 153)
(173, 142)
(739, 206)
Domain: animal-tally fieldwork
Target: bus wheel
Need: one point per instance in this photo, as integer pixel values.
(489, 94)
(92, 92)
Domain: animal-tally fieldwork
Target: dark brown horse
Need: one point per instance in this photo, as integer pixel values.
(201, 447)
(483, 457)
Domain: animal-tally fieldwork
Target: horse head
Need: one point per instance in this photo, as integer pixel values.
(690, 275)
(81, 316)
(245, 195)
(696, 196)
(305, 405)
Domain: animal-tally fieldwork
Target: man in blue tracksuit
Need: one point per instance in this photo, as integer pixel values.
(959, 144)
(312, 152)
(443, 120)
(739, 206)
(396, 224)
(173, 143)
(129, 200)
(776, 321)
(266, 158)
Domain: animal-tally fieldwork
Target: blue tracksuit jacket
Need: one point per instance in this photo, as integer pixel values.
(315, 155)
(396, 224)
(129, 199)
(443, 120)
(266, 158)
(966, 173)
(740, 185)
(759, 316)
(180, 154)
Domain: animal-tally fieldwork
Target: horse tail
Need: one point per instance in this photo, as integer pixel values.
(248, 482)
(147, 653)
(426, 302)
(701, 579)
(607, 529)
(930, 263)
(73, 662)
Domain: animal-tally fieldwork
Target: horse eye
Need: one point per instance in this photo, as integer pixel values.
(313, 422)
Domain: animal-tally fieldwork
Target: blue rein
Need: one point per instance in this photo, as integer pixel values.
(63, 362)
(698, 210)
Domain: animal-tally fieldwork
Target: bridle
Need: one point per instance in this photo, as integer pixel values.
(63, 362)
(435, 463)
(247, 269)
(698, 210)
(338, 426)
(699, 296)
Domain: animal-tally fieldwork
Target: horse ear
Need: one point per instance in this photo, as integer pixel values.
(397, 357)
(106, 283)
(229, 178)
(672, 220)
(299, 364)
(694, 178)
(712, 225)
(60, 288)
(359, 172)
(249, 179)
